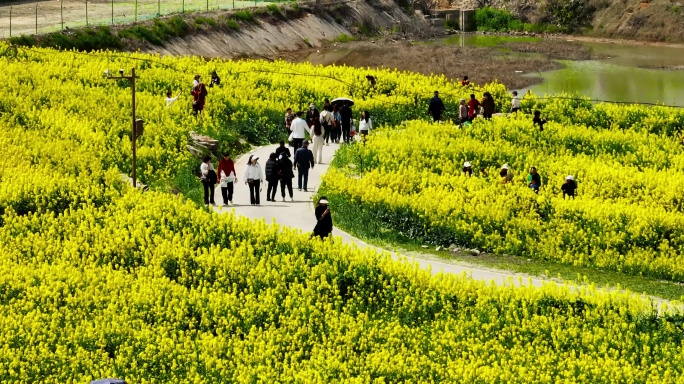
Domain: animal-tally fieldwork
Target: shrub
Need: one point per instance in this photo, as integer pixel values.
(344, 38)
(490, 19)
(244, 15)
(205, 21)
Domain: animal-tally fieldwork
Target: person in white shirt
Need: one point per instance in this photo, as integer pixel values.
(208, 180)
(253, 178)
(299, 130)
(463, 111)
(365, 124)
(169, 99)
(515, 102)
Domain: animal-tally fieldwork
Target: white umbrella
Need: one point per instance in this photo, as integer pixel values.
(342, 100)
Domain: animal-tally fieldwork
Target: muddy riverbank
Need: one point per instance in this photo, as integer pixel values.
(510, 63)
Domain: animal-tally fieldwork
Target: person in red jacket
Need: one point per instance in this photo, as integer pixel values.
(199, 95)
(473, 108)
(227, 177)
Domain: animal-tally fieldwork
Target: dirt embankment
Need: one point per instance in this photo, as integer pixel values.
(266, 38)
(510, 66)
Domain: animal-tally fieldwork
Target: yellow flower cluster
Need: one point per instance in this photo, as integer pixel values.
(153, 289)
(99, 280)
(628, 214)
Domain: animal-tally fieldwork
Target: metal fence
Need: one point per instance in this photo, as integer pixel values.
(34, 17)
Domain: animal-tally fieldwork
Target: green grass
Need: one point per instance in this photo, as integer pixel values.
(245, 15)
(538, 268)
(199, 21)
(232, 24)
(344, 38)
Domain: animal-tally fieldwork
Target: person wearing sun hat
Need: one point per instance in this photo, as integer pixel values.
(467, 168)
(506, 174)
(569, 186)
(324, 224)
(253, 178)
(312, 114)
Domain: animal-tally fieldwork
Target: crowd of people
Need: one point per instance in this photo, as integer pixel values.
(334, 123)
(533, 179)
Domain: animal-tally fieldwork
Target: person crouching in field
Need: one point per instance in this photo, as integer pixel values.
(467, 169)
(569, 187)
(534, 180)
(506, 174)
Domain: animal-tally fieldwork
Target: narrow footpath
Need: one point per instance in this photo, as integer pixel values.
(299, 214)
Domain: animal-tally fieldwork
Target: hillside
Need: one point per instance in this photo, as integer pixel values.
(650, 20)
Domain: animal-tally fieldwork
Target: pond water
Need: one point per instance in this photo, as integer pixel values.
(630, 73)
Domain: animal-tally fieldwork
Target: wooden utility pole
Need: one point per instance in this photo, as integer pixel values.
(136, 126)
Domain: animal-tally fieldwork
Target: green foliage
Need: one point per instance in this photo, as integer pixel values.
(567, 15)
(491, 19)
(338, 19)
(23, 40)
(275, 11)
(296, 8)
(205, 21)
(344, 38)
(233, 24)
(450, 24)
(87, 39)
(244, 15)
(160, 31)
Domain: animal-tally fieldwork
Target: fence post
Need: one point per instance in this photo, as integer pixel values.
(112, 12)
(36, 19)
(86, 13)
(61, 12)
(136, 11)
(183, 9)
(158, 8)
(10, 21)
(207, 5)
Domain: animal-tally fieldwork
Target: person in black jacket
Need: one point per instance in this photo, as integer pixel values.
(286, 174)
(346, 115)
(272, 171)
(324, 224)
(436, 107)
(303, 159)
(569, 187)
(282, 149)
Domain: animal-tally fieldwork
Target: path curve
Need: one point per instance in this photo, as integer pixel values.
(299, 214)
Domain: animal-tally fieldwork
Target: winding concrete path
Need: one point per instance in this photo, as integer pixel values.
(300, 214)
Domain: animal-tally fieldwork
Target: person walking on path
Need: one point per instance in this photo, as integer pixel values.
(365, 124)
(569, 187)
(537, 120)
(227, 178)
(436, 107)
(253, 178)
(286, 174)
(534, 180)
(463, 111)
(289, 116)
(506, 174)
(346, 117)
(515, 102)
(304, 159)
(324, 224)
(318, 140)
(272, 171)
(208, 177)
(337, 127)
(327, 121)
(312, 114)
(473, 108)
(282, 149)
(299, 130)
(488, 105)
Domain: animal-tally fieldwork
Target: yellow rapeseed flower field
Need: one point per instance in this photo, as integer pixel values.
(100, 280)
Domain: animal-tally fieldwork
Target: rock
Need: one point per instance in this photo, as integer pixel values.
(474, 252)
(452, 247)
(438, 249)
(424, 246)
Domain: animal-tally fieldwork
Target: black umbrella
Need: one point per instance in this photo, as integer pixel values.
(342, 100)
